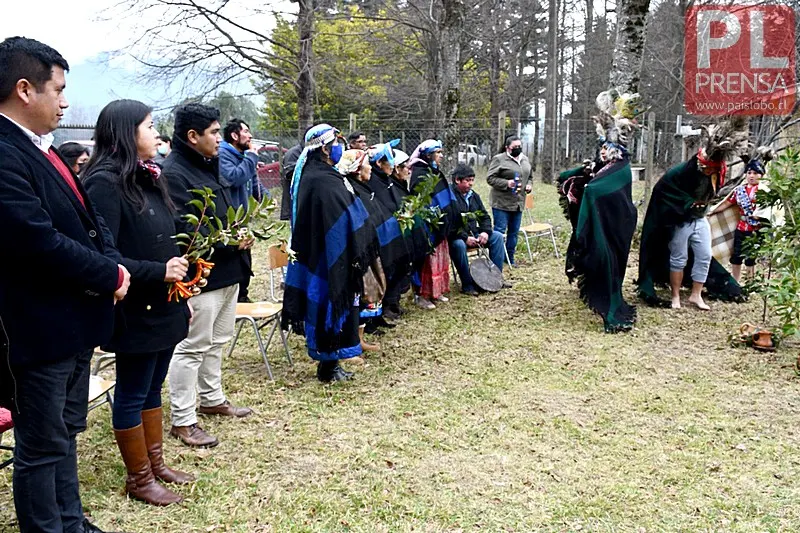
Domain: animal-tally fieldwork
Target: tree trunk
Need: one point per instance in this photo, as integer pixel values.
(551, 96)
(629, 46)
(494, 11)
(305, 78)
(450, 32)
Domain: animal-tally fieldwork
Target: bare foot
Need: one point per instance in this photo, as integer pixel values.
(698, 301)
(676, 303)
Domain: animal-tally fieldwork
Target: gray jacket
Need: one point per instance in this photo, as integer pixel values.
(501, 169)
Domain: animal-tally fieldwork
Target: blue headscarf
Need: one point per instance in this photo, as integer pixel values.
(316, 137)
(756, 166)
(381, 151)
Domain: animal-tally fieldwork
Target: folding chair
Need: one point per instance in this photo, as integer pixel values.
(536, 229)
(100, 392)
(6, 424)
(102, 360)
(261, 314)
(471, 252)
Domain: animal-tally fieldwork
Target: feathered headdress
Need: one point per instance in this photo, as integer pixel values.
(722, 141)
(616, 121)
(757, 160)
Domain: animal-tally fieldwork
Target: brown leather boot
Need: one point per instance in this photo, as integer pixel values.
(365, 346)
(154, 439)
(141, 484)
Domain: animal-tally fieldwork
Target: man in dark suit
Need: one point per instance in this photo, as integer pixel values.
(56, 295)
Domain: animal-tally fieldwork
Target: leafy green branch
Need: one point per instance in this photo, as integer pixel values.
(254, 221)
(778, 243)
(416, 208)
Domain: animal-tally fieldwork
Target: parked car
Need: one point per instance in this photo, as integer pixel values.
(269, 164)
(470, 155)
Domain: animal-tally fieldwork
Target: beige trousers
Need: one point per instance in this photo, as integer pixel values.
(196, 365)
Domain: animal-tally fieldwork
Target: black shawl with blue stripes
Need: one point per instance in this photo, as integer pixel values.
(334, 241)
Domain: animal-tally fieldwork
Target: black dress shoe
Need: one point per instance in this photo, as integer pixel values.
(88, 527)
(328, 371)
(382, 323)
(371, 327)
(340, 374)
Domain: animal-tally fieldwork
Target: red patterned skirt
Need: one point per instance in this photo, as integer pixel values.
(436, 273)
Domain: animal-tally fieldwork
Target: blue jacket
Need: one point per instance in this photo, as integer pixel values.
(239, 170)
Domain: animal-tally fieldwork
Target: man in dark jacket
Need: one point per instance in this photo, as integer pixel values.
(470, 227)
(237, 166)
(197, 362)
(57, 295)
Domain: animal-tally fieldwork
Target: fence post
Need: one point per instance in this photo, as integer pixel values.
(501, 130)
(380, 136)
(650, 169)
(352, 122)
(403, 140)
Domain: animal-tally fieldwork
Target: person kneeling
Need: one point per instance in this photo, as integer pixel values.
(471, 227)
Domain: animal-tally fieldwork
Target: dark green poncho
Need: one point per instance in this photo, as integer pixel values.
(603, 232)
(670, 206)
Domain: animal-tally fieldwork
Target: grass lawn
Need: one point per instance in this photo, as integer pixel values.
(510, 412)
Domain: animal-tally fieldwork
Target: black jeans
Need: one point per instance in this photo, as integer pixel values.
(139, 380)
(52, 399)
(244, 285)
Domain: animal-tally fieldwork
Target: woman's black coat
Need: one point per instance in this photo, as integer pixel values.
(144, 321)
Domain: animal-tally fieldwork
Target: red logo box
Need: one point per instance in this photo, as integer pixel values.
(739, 60)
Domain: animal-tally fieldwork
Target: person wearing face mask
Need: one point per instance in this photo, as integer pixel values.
(510, 178)
(75, 154)
(163, 149)
(334, 242)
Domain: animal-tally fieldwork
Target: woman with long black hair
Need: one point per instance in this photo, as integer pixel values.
(127, 189)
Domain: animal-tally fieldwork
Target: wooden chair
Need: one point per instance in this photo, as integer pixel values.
(6, 424)
(536, 229)
(262, 314)
(278, 260)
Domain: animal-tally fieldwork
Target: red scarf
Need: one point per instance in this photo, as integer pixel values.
(151, 168)
(720, 166)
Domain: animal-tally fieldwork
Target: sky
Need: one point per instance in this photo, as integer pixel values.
(87, 33)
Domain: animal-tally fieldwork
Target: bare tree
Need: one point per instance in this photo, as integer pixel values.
(197, 45)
